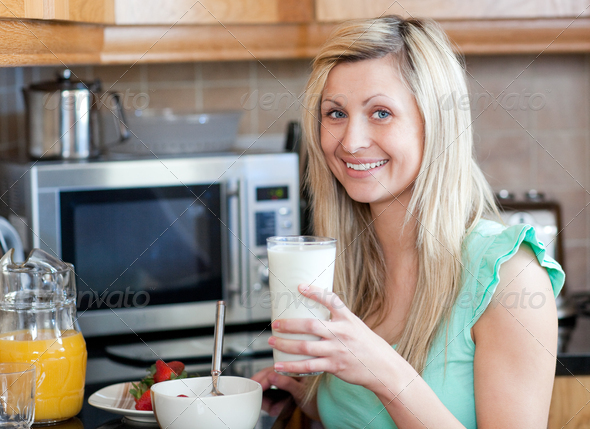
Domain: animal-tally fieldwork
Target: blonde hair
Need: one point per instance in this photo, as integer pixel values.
(449, 195)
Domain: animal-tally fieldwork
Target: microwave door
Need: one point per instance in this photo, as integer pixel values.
(162, 244)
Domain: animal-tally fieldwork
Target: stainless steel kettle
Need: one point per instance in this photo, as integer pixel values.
(63, 120)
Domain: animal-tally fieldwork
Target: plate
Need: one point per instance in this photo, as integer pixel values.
(117, 399)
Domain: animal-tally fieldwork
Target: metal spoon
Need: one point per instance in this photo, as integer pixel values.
(218, 349)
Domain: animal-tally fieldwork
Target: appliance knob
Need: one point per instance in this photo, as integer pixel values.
(263, 272)
(504, 194)
(534, 195)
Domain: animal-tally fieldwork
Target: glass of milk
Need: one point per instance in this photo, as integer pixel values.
(293, 260)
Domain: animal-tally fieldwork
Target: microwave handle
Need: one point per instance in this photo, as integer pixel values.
(233, 235)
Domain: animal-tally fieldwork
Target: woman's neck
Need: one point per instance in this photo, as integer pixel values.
(398, 242)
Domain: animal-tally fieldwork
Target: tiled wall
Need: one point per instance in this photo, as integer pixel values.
(535, 135)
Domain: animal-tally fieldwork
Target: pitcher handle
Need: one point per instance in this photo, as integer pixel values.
(120, 122)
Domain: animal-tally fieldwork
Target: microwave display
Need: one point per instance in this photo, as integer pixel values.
(160, 245)
(272, 193)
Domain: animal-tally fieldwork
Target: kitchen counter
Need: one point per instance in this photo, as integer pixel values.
(576, 358)
(94, 418)
(574, 361)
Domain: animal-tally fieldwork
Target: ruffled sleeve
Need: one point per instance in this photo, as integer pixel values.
(488, 247)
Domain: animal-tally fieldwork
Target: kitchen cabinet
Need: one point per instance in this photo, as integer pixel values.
(186, 12)
(98, 11)
(338, 10)
(34, 32)
(570, 402)
(161, 12)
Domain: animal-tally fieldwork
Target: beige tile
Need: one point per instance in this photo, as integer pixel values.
(225, 70)
(229, 98)
(180, 72)
(7, 77)
(112, 74)
(564, 81)
(177, 99)
(576, 268)
(83, 73)
(493, 108)
(500, 91)
(46, 73)
(28, 76)
(131, 99)
(225, 98)
(562, 160)
(14, 130)
(505, 159)
(283, 69)
(276, 105)
(574, 213)
(11, 103)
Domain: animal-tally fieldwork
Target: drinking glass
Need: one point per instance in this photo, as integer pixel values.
(293, 260)
(17, 395)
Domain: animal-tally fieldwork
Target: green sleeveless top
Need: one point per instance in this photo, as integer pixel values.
(342, 405)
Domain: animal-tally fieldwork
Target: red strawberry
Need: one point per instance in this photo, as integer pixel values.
(167, 371)
(163, 372)
(182, 396)
(177, 367)
(145, 402)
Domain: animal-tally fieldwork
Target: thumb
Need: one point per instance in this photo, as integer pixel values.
(289, 384)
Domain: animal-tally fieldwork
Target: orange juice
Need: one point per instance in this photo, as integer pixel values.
(61, 369)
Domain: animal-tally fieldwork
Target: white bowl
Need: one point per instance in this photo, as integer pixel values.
(239, 408)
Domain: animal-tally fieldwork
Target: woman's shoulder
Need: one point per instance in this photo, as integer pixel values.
(488, 246)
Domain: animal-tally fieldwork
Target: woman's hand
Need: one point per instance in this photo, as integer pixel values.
(348, 348)
(268, 377)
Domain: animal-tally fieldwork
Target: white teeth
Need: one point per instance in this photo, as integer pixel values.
(364, 167)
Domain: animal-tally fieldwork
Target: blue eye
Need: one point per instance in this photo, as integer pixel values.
(337, 114)
(382, 114)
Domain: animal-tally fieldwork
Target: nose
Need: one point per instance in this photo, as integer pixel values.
(355, 137)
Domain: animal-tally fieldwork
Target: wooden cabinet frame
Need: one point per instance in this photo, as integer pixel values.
(35, 32)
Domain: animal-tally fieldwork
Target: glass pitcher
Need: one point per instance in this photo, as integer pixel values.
(38, 325)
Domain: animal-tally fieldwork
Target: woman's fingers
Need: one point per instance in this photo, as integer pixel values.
(299, 347)
(305, 366)
(262, 377)
(290, 384)
(328, 299)
(320, 328)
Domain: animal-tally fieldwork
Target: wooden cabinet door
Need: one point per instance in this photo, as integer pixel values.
(224, 12)
(337, 10)
(570, 403)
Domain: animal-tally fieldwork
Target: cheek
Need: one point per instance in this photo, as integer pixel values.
(328, 143)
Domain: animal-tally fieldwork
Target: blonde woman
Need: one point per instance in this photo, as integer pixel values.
(447, 320)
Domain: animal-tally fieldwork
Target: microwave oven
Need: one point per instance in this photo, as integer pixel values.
(156, 242)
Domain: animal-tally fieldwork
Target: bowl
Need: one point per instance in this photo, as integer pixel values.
(239, 408)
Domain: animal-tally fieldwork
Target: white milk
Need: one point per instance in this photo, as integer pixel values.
(289, 266)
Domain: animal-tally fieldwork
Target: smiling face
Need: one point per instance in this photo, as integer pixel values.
(372, 131)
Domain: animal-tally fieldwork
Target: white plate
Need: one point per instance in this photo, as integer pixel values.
(117, 399)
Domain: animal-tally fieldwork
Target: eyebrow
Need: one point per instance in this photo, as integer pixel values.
(333, 101)
(337, 103)
(376, 95)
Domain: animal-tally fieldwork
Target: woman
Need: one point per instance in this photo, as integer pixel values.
(450, 319)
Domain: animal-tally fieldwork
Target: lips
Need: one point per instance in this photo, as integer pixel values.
(365, 166)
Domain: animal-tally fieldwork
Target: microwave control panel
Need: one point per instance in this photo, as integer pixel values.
(273, 222)
(274, 211)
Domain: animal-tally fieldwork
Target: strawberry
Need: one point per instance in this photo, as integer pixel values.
(182, 396)
(177, 367)
(168, 371)
(158, 372)
(163, 372)
(145, 402)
